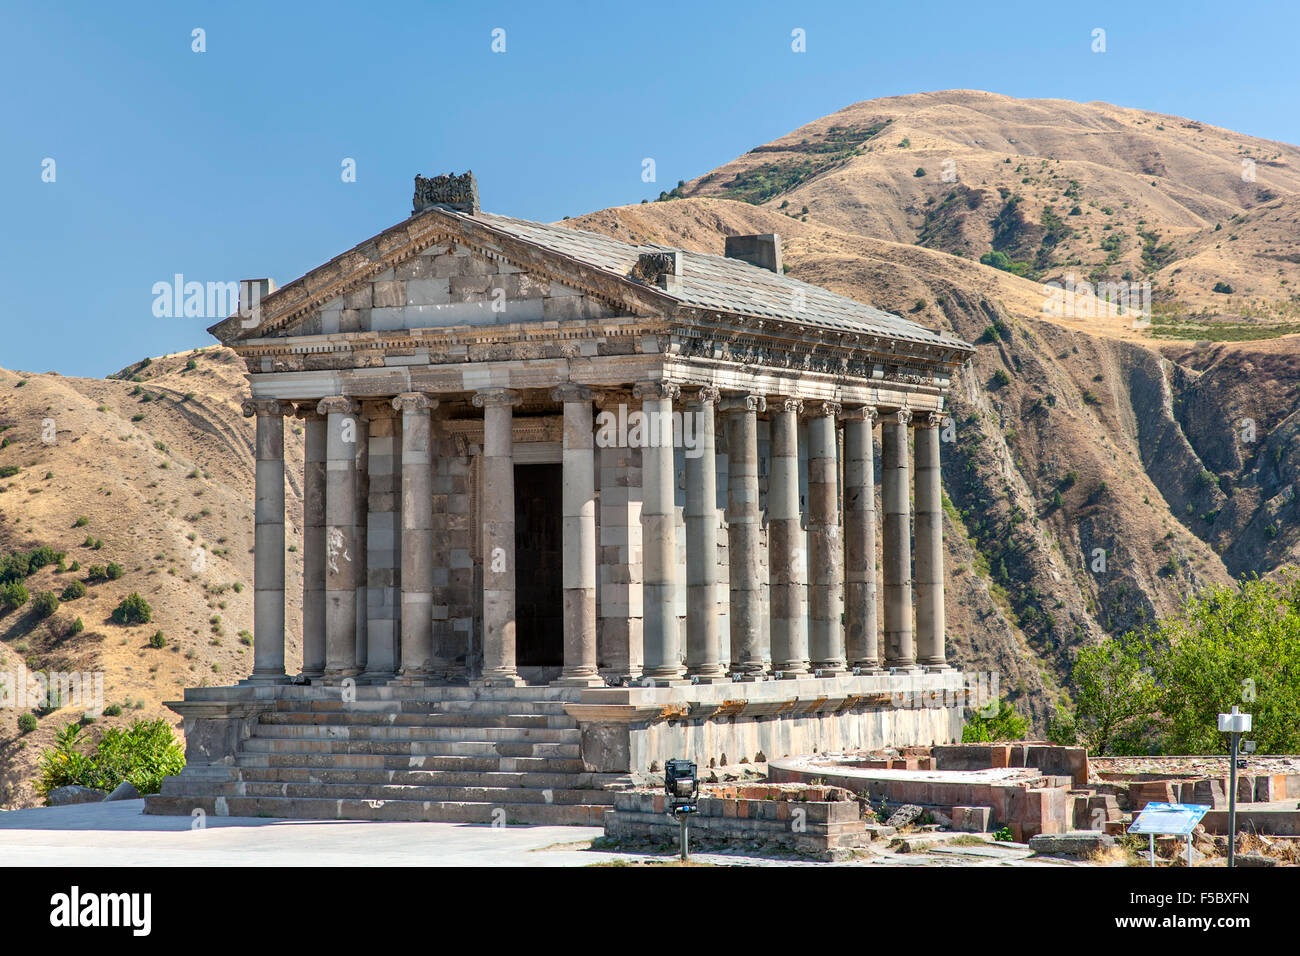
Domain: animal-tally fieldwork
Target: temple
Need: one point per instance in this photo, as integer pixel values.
(573, 507)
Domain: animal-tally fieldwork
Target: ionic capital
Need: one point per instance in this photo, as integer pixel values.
(495, 398)
(571, 392)
(266, 407)
(863, 413)
(705, 395)
(414, 402)
(748, 402)
(928, 420)
(904, 416)
(794, 405)
(825, 409)
(649, 391)
(307, 412)
(337, 405)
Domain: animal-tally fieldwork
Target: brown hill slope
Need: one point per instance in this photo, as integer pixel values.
(158, 474)
(1065, 188)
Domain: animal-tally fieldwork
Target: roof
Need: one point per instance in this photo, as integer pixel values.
(718, 283)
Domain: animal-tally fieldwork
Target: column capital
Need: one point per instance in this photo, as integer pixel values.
(605, 397)
(743, 402)
(823, 409)
(496, 397)
(787, 405)
(414, 402)
(270, 407)
(571, 392)
(863, 413)
(307, 412)
(656, 390)
(705, 395)
(928, 420)
(337, 405)
(904, 416)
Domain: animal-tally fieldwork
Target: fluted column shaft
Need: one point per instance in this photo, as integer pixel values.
(662, 641)
(498, 509)
(702, 637)
(825, 545)
(899, 649)
(362, 556)
(787, 556)
(750, 655)
(579, 539)
(341, 552)
(861, 630)
(417, 537)
(313, 541)
(930, 638)
(268, 541)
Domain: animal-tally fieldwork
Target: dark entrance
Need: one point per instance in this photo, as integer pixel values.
(539, 594)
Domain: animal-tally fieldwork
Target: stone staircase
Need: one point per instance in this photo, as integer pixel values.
(465, 755)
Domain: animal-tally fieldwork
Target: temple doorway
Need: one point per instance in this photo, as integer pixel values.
(539, 563)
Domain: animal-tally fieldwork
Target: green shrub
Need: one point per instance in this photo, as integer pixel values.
(73, 591)
(26, 723)
(76, 627)
(1006, 724)
(1001, 378)
(81, 522)
(113, 710)
(143, 754)
(97, 573)
(13, 595)
(133, 610)
(158, 640)
(46, 603)
(113, 571)
(8, 471)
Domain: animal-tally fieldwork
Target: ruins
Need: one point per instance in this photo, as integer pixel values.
(573, 507)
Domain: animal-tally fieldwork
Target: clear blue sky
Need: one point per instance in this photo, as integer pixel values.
(226, 164)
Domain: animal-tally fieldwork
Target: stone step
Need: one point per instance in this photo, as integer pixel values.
(371, 761)
(523, 814)
(300, 718)
(433, 778)
(414, 734)
(498, 796)
(430, 748)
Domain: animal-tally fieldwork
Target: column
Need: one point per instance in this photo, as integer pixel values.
(749, 653)
(361, 556)
(498, 510)
(662, 643)
(930, 638)
(619, 638)
(861, 623)
(825, 546)
(897, 556)
(702, 658)
(340, 536)
(268, 542)
(578, 516)
(787, 556)
(313, 541)
(416, 538)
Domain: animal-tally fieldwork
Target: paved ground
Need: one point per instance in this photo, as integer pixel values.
(119, 834)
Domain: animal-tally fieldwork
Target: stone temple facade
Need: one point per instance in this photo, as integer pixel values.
(573, 507)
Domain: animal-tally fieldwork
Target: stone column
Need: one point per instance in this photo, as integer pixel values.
(268, 542)
(619, 639)
(749, 653)
(416, 538)
(498, 510)
(899, 651)
(362, 554)
(930, 638)
(861, 622)
(825, 545)
(313, 541)
(579, 539)
(702, 658)
(662, 641)
(341, 554)
(787, 557)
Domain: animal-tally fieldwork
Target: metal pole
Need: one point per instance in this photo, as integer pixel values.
(1152, 837)
(1232, 805)
(682, 819)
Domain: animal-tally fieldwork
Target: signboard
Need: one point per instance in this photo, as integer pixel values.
(1168, 819)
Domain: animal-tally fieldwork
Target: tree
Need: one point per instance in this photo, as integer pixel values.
(1114, 696)
(1006, 724)
(133, 610)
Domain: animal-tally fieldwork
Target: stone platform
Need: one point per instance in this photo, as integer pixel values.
(544, 754)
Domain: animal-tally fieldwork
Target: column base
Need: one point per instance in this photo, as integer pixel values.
(748, 677)
(935, 668)
(500, 680)
(909, 667)
(867, 668)
(413, 679)
(648, 681)
(578, 680)
(274, 678)
(829, 669)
